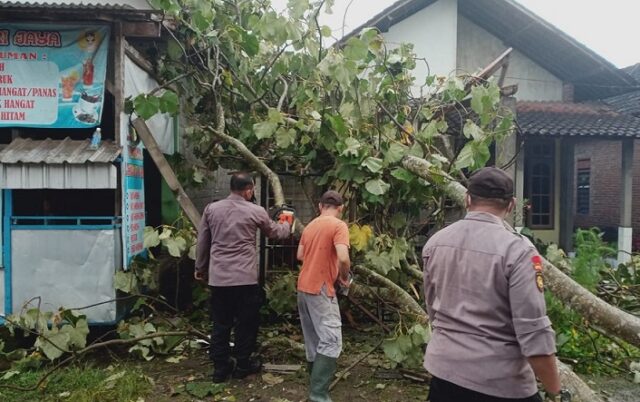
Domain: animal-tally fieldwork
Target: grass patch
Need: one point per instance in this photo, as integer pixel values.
(80, 383)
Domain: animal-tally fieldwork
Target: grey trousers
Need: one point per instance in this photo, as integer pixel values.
(321, 324)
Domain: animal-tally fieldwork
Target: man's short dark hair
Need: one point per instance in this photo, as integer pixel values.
(499, 203)
(331, 198)
(241, 181)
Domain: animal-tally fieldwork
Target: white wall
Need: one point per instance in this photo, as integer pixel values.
(433, 32)
(477, 48)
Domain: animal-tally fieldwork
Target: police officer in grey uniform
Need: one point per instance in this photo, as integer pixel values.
(483, 286)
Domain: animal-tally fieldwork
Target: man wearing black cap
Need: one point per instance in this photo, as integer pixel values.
(324, 252)
(484, 293)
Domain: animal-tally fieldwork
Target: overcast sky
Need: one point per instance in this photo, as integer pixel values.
(610, 28)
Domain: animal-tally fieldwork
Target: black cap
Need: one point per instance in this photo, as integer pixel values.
(491, 182)
(331, 198)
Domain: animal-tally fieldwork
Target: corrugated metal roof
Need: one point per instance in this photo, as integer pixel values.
(593, 76)
(48, 151)
(138, 5)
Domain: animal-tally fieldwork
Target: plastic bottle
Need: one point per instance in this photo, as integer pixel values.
(96, 138)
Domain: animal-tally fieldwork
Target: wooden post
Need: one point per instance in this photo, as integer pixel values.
(165, 170)
(625, 231)
(567, 189)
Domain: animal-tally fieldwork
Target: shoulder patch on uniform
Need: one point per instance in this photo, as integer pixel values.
(536, 260)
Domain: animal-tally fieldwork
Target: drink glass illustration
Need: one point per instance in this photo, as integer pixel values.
(87, 73)
(68, 84)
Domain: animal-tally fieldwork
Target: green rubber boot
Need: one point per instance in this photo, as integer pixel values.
(324, 369)
(309, 368)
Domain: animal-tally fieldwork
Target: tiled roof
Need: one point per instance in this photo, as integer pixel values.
(48, 151)
(628, 103)
(575, 120)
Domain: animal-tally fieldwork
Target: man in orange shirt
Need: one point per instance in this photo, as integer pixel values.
(324, 252)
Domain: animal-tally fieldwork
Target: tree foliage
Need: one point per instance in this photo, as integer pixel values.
(347, 114)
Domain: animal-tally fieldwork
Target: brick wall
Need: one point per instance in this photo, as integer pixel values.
(605, 193)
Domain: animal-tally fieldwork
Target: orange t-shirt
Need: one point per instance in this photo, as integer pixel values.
(320, 260)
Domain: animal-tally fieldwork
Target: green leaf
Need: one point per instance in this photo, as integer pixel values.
(250, 44)
(203, 389)
(174, 50)
(393, 351)
(53, 343)
(325, 31)
(377, 186)
(202, 18)
(169, 103)
(403, 174)
(192, 252)
(380, 261)
(141, 351)
(398, 220)
(275, 116)
(285, 137)
(297, 8)
(477, 95)
(150, 237)
(146, 106)
(352, 147)
(77, 334)
(264, 129)
(175, 245)
(474, 155)
(373, 164)
(166, 233)
(356, 49)
(125, 281)
(472, 131)
(395, 153)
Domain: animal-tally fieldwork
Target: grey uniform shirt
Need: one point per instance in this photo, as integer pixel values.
(227, 240)
(486, 311)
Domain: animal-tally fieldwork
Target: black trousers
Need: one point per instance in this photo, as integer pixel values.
(445, 391)
(234, 308)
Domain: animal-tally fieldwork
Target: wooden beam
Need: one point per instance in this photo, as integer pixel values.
(490, 69)
(165, 170)
(149, 29)
(118, 79)
(138, 59)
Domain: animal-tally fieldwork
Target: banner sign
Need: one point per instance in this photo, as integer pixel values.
(52, 76)
(133, 194)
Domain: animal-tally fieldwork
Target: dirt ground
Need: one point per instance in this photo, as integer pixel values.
(372, 379)
(367, 381)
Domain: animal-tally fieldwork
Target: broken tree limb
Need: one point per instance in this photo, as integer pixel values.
(165, 170)
(400, 295)
(579, 389)
(255, 162)
(609, 318)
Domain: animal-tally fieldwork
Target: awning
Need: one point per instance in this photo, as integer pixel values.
(58, 164)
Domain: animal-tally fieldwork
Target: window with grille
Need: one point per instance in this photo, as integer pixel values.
(539, 183)
(583, 182)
